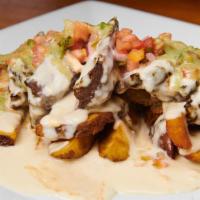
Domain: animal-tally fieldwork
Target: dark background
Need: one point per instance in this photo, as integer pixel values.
(13, 11)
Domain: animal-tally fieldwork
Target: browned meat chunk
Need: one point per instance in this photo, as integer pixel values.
(166, 144)
(85, 94)
(95, 123)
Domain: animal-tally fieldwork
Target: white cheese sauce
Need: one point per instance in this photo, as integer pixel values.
(50, 78)
(187, 86)
(195, 103)
(73, 63)
(104, 55)
(9, 121)
(114, 105)
(104, 91)
(158, 130)
(102, 50)
(14, 89)
(35, 112)
(173, 110)
(16, 71)
(64, 112)
(92, 177)
(152, 75)
(163, 79)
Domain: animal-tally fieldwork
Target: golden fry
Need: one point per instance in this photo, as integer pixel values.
(178, 132)
(115, 146)
(84, 139)
(195, 157)
(8, 139)
(95, 123)
(75, 148)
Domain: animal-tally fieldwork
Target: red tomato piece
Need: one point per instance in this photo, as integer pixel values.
(80, 54)
(81, 32)
(148, 44)
(132, 65)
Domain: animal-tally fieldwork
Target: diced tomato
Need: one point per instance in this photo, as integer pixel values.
(80, 54)
(123, 47)
(123, 32)
(136, 43)
(38, 54)
(40, 39)
(81, 32)
(160, 164)
(123, 40)
(148, 44)
(126, 41)
(79, 45)
(132, 65)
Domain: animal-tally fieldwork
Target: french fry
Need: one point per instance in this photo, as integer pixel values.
(84, 139)
(8, 139)
(10, 127)
(195, 157)
(178, 132)
(138, 96)
(94, 124)
(39, 130)
(75, 148)
(115, 146)
(10, 119)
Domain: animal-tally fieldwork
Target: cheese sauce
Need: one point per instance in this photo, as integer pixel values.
(104, 55)
(158, 129)
(9, 121)
(173, 110)
(28, 169)
(50, 79)
(64, 112)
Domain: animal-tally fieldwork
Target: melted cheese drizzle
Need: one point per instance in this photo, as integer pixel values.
(158, 129)
(163, 79)
(9, 121)
(52, 81)
(101, 50)
(173, 110)
(195, 98)
(91, 176)
(104, 55)
(64, 112)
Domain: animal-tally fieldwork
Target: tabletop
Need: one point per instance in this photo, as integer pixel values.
(14, 11)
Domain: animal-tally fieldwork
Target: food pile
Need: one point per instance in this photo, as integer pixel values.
(94, 83)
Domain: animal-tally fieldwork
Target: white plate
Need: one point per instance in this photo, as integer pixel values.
(91, 11)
